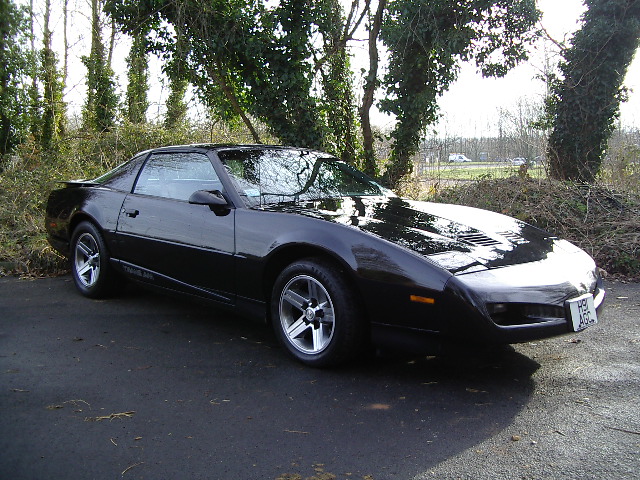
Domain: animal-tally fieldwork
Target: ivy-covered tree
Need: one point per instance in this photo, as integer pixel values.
(138, 75)
(53, 105)
(371, 83)
(176, 114)
(102, 100)
(14, 68)
(586, 102)
(35, 100)
(337, 101)
(426, 43)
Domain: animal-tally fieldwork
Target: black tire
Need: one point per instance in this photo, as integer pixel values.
(316, 315)
(93, 275)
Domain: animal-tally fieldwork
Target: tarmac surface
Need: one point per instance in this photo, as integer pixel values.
(145, 386)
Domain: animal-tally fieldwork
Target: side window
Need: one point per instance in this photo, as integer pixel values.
(177, 175)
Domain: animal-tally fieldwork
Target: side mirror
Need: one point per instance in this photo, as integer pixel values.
(213, 199)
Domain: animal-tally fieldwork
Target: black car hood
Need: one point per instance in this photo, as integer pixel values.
(461, 239)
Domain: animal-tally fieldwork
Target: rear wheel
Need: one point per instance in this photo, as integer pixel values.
(90, 267)
(316, 315)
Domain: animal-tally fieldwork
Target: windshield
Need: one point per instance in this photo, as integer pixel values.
(268, 176)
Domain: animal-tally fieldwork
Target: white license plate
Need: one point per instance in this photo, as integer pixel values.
(582, 311)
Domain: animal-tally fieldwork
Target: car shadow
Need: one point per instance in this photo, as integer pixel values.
(180, 389)
(389, 416)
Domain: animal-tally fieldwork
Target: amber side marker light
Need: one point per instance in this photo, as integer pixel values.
(419, 299)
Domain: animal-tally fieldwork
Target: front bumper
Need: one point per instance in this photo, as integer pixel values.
(532, 299)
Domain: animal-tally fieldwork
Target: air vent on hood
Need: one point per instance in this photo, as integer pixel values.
(478, 239)
(513, 237)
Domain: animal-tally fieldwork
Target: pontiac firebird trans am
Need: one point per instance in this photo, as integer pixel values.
(332, 259)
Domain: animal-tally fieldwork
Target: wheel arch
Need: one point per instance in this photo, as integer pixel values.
(287, 255)
(80, 217)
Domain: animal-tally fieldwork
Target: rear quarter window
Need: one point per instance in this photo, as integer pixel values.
(122, 177)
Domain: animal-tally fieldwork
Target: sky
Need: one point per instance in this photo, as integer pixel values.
(472, 104)
(470, 108)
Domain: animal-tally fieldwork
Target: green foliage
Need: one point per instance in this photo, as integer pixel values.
(14, 67)
(176, 107)
(427, 40)
(262, 62)
(586, 102)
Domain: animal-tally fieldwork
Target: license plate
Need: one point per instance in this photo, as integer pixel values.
(582, 312)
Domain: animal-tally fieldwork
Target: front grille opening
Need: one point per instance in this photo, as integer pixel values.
(510, 314)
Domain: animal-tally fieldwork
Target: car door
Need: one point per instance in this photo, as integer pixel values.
(165, 240)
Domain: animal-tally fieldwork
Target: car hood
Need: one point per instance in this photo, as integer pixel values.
(458, 238)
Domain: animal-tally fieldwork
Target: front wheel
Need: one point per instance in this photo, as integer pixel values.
(90, 267)
(316, 315)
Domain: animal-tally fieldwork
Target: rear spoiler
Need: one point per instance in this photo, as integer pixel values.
(78, 183)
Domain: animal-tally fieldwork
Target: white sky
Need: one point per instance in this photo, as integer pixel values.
(469, 108)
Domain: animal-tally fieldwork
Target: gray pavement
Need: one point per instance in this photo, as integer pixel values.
(145, 386)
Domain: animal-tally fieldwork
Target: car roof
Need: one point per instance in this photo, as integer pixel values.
(226, 146)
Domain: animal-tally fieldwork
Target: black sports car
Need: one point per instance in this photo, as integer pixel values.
(331, 258)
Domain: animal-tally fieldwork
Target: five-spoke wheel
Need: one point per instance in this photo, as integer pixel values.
(307, 314)
(90, 267)
(316, 316)
(86, 260)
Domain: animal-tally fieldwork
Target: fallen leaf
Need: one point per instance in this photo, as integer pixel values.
(130, 467)
(378, 406)
(110, 417)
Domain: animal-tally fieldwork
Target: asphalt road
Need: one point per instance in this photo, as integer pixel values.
(145, 386)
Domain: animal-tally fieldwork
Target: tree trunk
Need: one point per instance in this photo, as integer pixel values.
(34, 97)
(228, 92)
(49, 79)
(371, 82)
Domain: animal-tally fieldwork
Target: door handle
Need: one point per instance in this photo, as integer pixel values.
(130, 212)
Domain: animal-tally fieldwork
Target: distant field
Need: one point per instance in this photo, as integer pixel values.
(476, 170)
